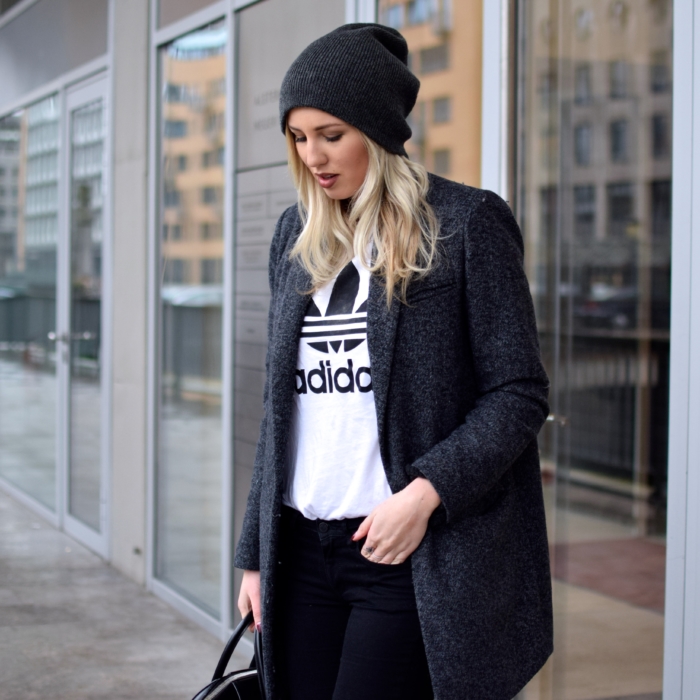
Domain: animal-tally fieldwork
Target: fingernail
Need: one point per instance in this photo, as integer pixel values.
(258, 627)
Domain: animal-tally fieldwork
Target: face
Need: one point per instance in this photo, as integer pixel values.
(331, 149)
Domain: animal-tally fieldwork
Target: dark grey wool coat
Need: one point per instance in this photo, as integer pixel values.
(460, 396)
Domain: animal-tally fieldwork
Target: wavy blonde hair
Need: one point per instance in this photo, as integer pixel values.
(390, 211)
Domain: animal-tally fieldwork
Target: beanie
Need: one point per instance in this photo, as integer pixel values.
(357, 73)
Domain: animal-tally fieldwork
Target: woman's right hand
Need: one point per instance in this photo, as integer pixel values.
(249, 597)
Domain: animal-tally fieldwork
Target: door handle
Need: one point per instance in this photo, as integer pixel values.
(563, 421)
(66, 337)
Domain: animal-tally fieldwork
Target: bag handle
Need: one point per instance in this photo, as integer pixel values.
(232, 644)
(258, 658)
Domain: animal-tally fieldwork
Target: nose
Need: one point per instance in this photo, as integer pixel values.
(315, 154)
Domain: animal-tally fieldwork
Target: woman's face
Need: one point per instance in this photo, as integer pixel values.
(331, 149)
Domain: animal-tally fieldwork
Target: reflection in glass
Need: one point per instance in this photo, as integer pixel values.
(444, 42)
(29, 149)
(86, 226)
(593, 197)
(193, 107)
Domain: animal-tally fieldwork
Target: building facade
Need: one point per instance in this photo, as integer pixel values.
(142, 171)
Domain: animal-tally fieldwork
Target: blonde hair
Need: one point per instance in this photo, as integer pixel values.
(390, 210)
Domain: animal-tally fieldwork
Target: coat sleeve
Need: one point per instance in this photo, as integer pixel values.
(248, 548)
(511, 381)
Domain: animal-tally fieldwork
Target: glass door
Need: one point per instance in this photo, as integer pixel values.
(593, 194)
(30, 152)
(85, 425)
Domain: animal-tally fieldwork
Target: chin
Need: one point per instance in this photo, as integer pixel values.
(335, 195)
(339, 194)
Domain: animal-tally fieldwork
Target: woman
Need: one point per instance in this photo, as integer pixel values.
(394, 543)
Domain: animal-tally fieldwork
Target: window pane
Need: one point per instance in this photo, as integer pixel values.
(87, 193)
(29, 171)
(190, 429)
(597, 243)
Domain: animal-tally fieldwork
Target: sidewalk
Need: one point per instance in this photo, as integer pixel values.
(73, 628)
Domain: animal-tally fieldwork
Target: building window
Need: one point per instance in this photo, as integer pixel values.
(619, 141)
(620, 208)
(583, 144)
(618, 79)
(171, 198)
(209, 231)
(172, 232)
(660, 141)
(583, 91)
(174, 129)
(210, 195)
(419, 11)
(212, 271)
(659, 72)
(182, 163)
(393, 16)
(441, 161)
(548, 89)
(175, 93)
(211, 159)
(434, 59)
(442, 110)
(215, 123)
(176, 271)
(661, 208)
(584, 211)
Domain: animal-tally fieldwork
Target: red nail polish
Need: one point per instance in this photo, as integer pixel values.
(258, 628)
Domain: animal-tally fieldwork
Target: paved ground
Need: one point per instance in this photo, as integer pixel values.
(72, 628)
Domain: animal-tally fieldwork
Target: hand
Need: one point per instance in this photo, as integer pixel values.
(249, 598)
(396, 527)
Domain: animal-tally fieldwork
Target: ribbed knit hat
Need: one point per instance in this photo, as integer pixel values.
(359, 74)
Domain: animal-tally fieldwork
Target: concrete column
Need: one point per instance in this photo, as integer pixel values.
(130, 225)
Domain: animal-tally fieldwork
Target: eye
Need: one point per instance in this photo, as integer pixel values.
(333, 139)
(299, 139)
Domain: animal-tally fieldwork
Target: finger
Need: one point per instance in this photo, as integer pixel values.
(257, 617)
(363, 529)
(370, 549)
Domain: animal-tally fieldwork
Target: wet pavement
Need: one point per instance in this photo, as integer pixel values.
(73, 628)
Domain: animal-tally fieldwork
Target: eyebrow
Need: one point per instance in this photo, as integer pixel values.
(318, 128)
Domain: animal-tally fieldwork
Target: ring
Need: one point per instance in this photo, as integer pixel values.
(369, 550)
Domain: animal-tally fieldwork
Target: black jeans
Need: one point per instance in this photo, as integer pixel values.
(347, 628)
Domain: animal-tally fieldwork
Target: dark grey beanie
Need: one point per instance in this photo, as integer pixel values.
(357, 73)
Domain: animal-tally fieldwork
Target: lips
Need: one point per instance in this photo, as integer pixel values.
(326, 180)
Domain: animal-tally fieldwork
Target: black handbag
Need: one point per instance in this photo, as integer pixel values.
(247, 684)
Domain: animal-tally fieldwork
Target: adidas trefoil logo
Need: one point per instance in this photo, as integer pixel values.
(343, 325)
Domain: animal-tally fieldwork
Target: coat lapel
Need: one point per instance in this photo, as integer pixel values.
(381, 332)
(291, 307)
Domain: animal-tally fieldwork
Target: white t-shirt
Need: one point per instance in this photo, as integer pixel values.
(334, 467)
